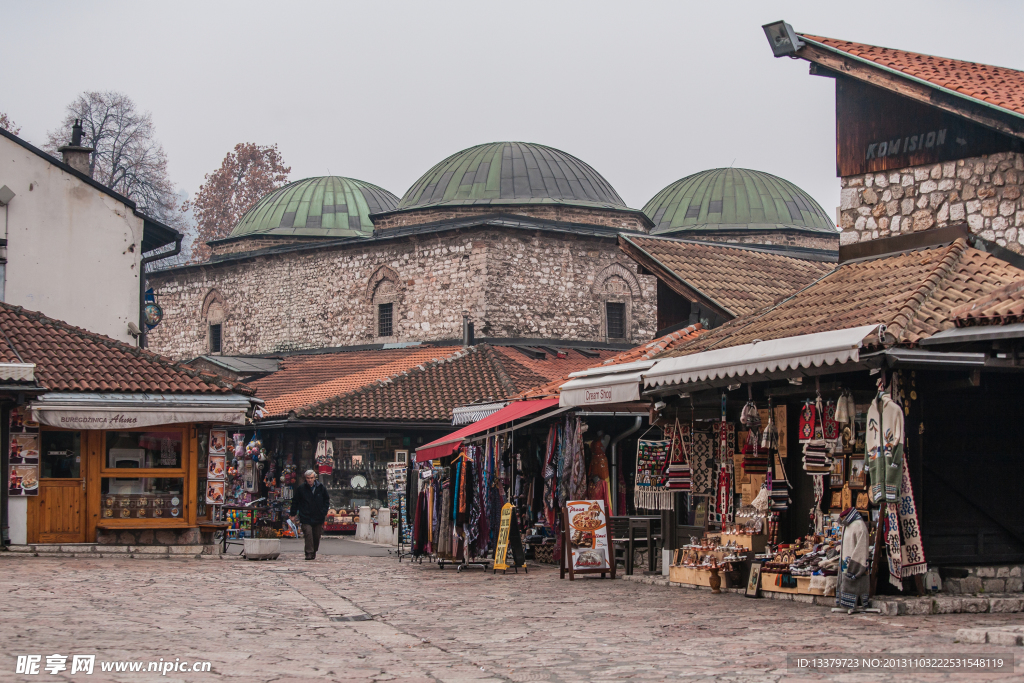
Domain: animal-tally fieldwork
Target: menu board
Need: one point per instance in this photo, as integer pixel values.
(23, 470)
(587, 535)
(215, 492)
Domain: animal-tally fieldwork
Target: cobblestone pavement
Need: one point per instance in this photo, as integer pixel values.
(351, 618)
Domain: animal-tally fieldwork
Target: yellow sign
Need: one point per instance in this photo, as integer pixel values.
(501, 552)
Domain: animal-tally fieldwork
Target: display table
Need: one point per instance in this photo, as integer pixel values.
(803, 585)
(755, 542)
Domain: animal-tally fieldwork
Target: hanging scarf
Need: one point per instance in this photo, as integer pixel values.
(903, 534)
(808, 422)
(550, 502)
(473, 494)
(679, 465)
(577, 464)
(651, 491)
(720, 506)
(829, 425)
(819, 493)
(701, 462)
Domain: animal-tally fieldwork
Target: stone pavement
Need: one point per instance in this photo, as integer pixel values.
(354, 618)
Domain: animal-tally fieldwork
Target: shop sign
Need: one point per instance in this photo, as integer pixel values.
(599, 395)
(23, 470)
(587, 535)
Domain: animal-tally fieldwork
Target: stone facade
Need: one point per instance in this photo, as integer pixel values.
(804, 240)
(985, 192)
(621, 219)
(514, 283)
(256, 242)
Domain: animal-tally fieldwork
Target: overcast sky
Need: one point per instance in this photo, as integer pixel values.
(645, 92)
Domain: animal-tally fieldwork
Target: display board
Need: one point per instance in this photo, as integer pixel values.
(585, 548)
(23, 470)
(509, 538)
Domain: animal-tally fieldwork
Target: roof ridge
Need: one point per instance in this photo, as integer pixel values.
(500, 371)
(963, 309)
(943, 269)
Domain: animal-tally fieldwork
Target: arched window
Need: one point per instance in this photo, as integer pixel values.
(385, 296)
(214, 315)
(615, 288)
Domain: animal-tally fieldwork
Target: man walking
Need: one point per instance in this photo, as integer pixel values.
(311, 502)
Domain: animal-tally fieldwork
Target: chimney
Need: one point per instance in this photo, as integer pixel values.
(74, 155)
(468, 338)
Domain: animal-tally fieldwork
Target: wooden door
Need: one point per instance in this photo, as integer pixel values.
(60, 512)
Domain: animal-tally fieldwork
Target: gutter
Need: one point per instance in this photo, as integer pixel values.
(903, 74)
(142, 284)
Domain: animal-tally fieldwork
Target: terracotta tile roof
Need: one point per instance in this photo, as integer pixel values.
(995, 85)
(737, 279)
(1002, 307)
(913, 293)
(306, 379)
(528, 372)
(426, 393)
(69, 358)
(643, 352)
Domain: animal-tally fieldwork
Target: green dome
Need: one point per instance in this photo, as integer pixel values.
(735, 199)
(501, 173)
(330, 206)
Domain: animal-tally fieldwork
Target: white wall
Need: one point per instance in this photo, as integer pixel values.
(17, 519)
(73, 252)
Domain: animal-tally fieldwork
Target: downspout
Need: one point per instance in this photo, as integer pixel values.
(146, 260)
(615, 460)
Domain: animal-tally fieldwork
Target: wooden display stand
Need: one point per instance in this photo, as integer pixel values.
(697, 576)
(755, 543)
(803, 585)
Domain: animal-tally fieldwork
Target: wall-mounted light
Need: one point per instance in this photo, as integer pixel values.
(782, 38)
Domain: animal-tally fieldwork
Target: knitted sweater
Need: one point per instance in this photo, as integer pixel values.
(854, 549)
(884, 448)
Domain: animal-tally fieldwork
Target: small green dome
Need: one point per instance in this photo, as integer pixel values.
(501, 173)
(735, 199)
(330, 206)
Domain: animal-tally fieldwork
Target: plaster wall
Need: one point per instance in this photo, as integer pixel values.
(513, 283)
(17, 519)
(73, 252)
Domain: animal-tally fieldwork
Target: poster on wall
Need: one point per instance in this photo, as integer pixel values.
(23, 470)
(216, 467)
(588, 535)
(215, 493)
(218, 441)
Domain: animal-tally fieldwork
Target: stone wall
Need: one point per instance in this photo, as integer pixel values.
(513, 283)
(626, 219)
(256, 243)
(985, 192)
(774, 237)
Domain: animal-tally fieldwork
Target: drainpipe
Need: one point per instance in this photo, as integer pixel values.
(615, 460)
(142, 284)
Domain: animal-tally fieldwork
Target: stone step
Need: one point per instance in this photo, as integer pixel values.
(94, 550)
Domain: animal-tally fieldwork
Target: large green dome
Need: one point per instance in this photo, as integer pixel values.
(330, 206)
(735, 199)
(502, 173)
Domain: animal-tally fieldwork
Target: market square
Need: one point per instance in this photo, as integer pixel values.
(599, 343)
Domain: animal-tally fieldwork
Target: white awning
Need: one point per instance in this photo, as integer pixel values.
(464, 415)
(18, 372)
(605, 384)
(113, 411)
(788, 353)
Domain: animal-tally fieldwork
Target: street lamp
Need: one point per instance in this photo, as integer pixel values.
(782, 38)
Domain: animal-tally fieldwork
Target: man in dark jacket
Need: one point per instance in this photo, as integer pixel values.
(311, 502)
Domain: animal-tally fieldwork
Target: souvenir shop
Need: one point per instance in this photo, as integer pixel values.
(529, 458)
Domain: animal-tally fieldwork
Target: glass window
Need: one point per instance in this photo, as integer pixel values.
(215, 338)
(616, 320)
(385, 320)
(144, 450)
(143, 498)
(61, 455)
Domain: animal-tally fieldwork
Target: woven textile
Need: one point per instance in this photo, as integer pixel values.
(903, 534)
(720, 507)
(651, 491)
(679, 478)
(702, 462)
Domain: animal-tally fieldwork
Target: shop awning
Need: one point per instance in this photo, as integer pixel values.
(445, 445)
(788, 353)
(606, 384)
(114, 411)
(465, 414)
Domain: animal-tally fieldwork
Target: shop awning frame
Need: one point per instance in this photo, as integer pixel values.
(119, 411)
(604, 385)
(467, 414)
(815, 350)
(444, 446)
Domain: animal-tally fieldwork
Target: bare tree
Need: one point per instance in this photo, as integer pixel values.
(248, 173)
(8, 125)
(127, 158)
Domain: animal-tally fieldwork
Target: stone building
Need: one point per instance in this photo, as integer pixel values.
(924, 142)
(520, 239)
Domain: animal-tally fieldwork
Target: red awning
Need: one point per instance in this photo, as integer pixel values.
(446, 445)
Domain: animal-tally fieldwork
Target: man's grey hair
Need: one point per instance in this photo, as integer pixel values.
(309, 473)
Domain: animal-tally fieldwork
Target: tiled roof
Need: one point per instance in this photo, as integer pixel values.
(69, 358)
(995, 85)
(913, 293)
(426, 393)
(409, 384)
(643, 352)
(307, 379)
(1002, 307)
(737, 279)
